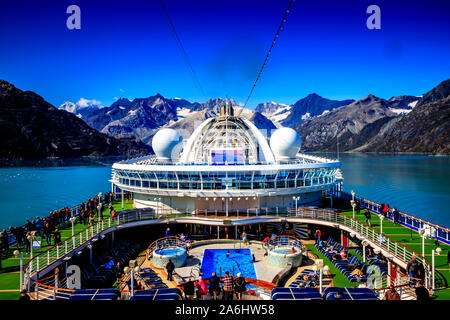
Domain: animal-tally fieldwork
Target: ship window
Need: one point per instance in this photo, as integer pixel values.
(162, 185)
(184, 185)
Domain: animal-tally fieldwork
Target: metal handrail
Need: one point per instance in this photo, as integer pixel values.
(347, 196)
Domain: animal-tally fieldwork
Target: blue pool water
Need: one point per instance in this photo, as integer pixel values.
(282, 250)
(240, 259)
(169, 251)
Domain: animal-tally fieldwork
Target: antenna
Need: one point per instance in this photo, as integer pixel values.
(267, 56)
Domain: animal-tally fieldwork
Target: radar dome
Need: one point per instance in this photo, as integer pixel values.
(167, 144)
(285, 143)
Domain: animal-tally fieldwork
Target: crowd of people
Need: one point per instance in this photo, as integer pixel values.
(227, 285)
(384, 210)
(49, 227)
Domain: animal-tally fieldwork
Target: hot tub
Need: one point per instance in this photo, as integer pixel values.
(281, 256)
(161, 257)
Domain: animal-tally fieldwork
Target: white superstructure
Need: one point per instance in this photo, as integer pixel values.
(226, 165)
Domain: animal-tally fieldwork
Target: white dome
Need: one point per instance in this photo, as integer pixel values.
(285, 143)
(167, 144)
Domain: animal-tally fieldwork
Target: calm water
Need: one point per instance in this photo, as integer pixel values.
(30, 189)
(419, 185)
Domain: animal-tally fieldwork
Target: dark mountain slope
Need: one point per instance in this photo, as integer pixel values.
(30, 127)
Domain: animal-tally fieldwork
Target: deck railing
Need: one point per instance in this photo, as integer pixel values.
(436, 231)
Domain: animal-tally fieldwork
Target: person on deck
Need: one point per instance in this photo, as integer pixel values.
(168, 232)
(57, 236)
(4, 242)
(413, 268)
(396, 214)
(244, 238)
(318, 234)
(422, 293)
(188, 289)
(239, 286)
(358, 207)
(27, 242)
(170, 267)
(227, 287)
(24, 296)
(385, 210)
(368, 216)
(392, 294)
(48, 233)
(91, 219)
(214, 286)
(202, 289)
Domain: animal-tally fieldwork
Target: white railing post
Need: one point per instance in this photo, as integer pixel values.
(65, 247)
(48, 257)
(57, 251)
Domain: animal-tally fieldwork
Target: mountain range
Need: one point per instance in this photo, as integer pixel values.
(361, 125)
(400, 124)
(32, 127)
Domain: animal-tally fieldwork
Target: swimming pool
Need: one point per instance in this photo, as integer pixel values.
(171, 251)
(239, 260)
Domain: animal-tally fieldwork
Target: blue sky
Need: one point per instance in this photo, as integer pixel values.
(125, 49)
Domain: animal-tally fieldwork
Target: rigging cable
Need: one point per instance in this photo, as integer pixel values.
(181, 47)
(267, 56)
